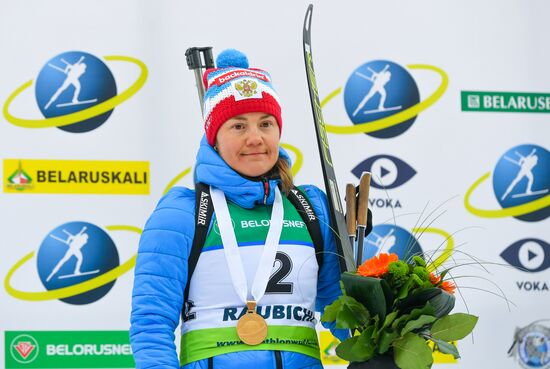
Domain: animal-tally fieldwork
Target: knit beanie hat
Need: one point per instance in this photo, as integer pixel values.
(233, 89)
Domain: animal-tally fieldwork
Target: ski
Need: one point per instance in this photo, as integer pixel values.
(338, 223)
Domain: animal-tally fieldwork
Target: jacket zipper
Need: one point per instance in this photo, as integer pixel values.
(278, 360)
(266, 189)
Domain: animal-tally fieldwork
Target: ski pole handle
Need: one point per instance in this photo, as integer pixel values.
(351, 214)
(364, 187)
(198, 60)
(362, 214)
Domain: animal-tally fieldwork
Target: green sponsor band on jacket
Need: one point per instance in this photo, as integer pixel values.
(204, 343)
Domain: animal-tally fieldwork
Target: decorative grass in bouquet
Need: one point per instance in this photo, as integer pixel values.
(394, 309)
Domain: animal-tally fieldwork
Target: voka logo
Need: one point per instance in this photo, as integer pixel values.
(531, 346)
(77, 262)
(529, 255)
(75, 91)
(521, 184)
(388, 172)
(23, 349)
(382, 99)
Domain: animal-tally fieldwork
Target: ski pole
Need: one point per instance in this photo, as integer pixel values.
(198, 60)
(362, 211)
(351, 213)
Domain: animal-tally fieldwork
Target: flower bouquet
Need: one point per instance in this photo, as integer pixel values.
(394, 308)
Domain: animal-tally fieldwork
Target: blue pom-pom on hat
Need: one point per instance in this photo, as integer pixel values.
(232, 58)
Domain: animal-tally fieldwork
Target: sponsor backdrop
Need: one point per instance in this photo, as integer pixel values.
(446, 104)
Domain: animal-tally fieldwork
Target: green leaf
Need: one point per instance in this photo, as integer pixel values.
(329, 315)
(446, 348)
(400, 322)
(358, 309)
(389, 319)
(453, 327)
(427, 309)
(418, 299)
(385, 340)
(370, 292)
(343, 350)
(412, 352)
(365, 346)
(443, 303)
(346, 319)
(347, 312)
(418, 323)
(353, 349)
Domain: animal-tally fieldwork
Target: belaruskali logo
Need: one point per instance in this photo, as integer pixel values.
(75, 91)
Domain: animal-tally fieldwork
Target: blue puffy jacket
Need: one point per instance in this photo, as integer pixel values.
(161, 270)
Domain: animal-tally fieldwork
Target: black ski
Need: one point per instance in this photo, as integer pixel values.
(338, 223)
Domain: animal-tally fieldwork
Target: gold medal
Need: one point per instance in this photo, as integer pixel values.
(251, 327)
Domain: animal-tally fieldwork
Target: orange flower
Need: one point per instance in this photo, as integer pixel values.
(448, 286)
(435, 279)
(377, 265)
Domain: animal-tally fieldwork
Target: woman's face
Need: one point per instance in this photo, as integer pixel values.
(249, 143)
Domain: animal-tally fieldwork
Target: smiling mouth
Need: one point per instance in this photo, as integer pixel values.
(254, 154)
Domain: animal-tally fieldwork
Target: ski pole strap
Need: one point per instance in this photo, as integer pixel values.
(305, 209)
(203, 215)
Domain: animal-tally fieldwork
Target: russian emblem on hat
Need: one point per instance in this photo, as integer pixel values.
(247, 89)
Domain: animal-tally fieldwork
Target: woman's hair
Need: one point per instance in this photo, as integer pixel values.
(285, 173)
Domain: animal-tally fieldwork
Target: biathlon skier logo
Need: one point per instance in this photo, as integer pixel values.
(377, 90)
(521, 184)
(531, 346)
(382, 99)
(77, 262)
(24, 349)
(75, 252)
(391, 239)
(75, 92)
(71, 82)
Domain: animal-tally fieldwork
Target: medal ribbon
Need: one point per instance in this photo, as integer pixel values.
(231, 248)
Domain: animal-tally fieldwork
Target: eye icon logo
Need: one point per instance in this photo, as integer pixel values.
(77, 263)
(528, 255)
(382, 99)
(24, 349)
(387, 171)
(76, 92)
(521, 184)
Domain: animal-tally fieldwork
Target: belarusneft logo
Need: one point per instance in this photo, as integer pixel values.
(505, 102)
(76, 176)
(68, 349)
